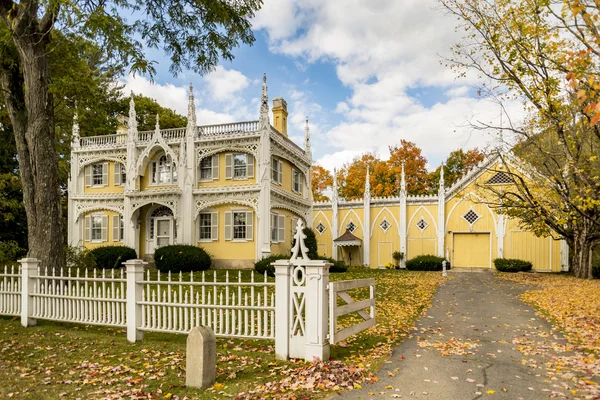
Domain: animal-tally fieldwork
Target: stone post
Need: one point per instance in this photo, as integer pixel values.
(282, 308)
(201, 358)
(317, 310)
(29, 268)
(135, 274)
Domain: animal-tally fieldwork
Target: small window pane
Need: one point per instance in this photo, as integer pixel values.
(97, 175)
(97, 227)
(205, 226)
(240, 161)
(206, 168)
(239, 225)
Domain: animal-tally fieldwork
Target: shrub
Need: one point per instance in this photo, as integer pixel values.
(107, 257)
(181, 258)
(264, 265)
(10, 251)
(426, 262)
(79, 257)
(310, 242)
(512, 265)
(338, 265)
(397, 256)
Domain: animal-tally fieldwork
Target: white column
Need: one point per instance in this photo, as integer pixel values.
(263, 242)
(403, 227)
(188, 174)
(317, 310)
(283, 270)
(135, 273)
(334, 217)
(367, 221)
(500, 233)
(29, 268)
(441, 219)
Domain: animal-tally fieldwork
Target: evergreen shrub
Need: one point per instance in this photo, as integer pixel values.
(426, 262)
(181, 258)
(264, 265)
(512, 265)
(108, 257)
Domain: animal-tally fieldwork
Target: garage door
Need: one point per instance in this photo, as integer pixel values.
(472, 250)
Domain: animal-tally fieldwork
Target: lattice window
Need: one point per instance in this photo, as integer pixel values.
(471, 217)
(161, 211)
(385, 225)
(320, 228)
(499, 178)
(351, 227)
(422, 224)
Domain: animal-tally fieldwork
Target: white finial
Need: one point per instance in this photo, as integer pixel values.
(264, 105)
(75, 130)
(307, 139)
(132, 122)
(368, 183)
(335, 186)
(442, 176)
(157, 122)
(299, 246)
(191, 109)
(402, 180)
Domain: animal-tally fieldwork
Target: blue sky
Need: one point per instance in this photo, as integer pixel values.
(367, 73)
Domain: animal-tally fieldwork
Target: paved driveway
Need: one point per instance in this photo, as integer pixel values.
(464, 347)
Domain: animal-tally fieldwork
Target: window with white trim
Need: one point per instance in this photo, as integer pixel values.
(206, 169)
(422, 224)
(320, 228)
(499, 179)
(385, 225)
(239, 225)
(209, 226)
(297, 181)
(276, 170)
(164, 171)
(471, 217)
(277, 228)
(96, 228)
(239, 166)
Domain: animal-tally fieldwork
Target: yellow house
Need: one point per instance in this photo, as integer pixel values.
(238, 189)
(235, 189)
(456, 223)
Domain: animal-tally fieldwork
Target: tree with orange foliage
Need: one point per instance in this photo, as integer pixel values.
(417, 177)
(321, 180)
(457, 165)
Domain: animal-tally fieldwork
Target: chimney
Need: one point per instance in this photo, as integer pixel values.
(280, 115)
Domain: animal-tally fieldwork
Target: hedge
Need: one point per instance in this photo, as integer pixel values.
(181, 258)
(264, 265)
(108, 257)
(512, 265)
(426, 262)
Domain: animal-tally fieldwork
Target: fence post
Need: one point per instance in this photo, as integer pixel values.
(135, 273)
(29, 268)
(282, 308)
(317, 310)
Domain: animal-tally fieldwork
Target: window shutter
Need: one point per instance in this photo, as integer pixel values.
(117, 174)
(300, 183)
(214, 229)
(228, 166)
(104, 228)
(104, 174)
(228, 227)
(279, 171)
(215, 166)
(88, 175)
(116, 219)
(250, 166)
(273, 230)
(88, 229)
(281, 228)
(249, 226)
(293, 174)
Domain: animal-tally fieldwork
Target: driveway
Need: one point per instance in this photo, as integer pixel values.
(465, 347)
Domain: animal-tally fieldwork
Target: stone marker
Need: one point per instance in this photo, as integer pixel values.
(201, 361)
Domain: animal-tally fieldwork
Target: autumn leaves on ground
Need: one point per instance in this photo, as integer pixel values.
(52, 360)
(572, 306)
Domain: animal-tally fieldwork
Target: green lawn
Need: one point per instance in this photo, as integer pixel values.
(75, 361)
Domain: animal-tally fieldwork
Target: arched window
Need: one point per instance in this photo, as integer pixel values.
(164, 170)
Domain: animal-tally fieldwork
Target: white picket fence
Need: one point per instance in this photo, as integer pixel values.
(294, 310)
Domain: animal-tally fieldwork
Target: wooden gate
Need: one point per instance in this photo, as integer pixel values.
(340, 289)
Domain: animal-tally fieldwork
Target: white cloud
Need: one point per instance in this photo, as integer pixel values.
(225, 85)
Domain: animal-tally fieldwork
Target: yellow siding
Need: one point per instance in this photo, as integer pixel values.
(324, 240)
(227, 182)
(110, 188)
(543, 252)
(285, 246)
(286, 177)
(384, 243)
(421, 242)
(242, 251)
(109, 242)
(355, 215)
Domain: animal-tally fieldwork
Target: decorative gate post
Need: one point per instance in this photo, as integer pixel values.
(135, 273)
(29, 268)
(302, 304)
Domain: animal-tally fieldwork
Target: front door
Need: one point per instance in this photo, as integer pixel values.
(163, 232)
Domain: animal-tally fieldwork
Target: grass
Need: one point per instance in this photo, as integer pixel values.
(51, 359)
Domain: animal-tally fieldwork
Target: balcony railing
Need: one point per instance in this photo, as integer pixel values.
(104, 140)
(209, 130)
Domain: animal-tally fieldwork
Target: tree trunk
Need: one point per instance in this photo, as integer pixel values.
(581, 258)
(30, 107)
